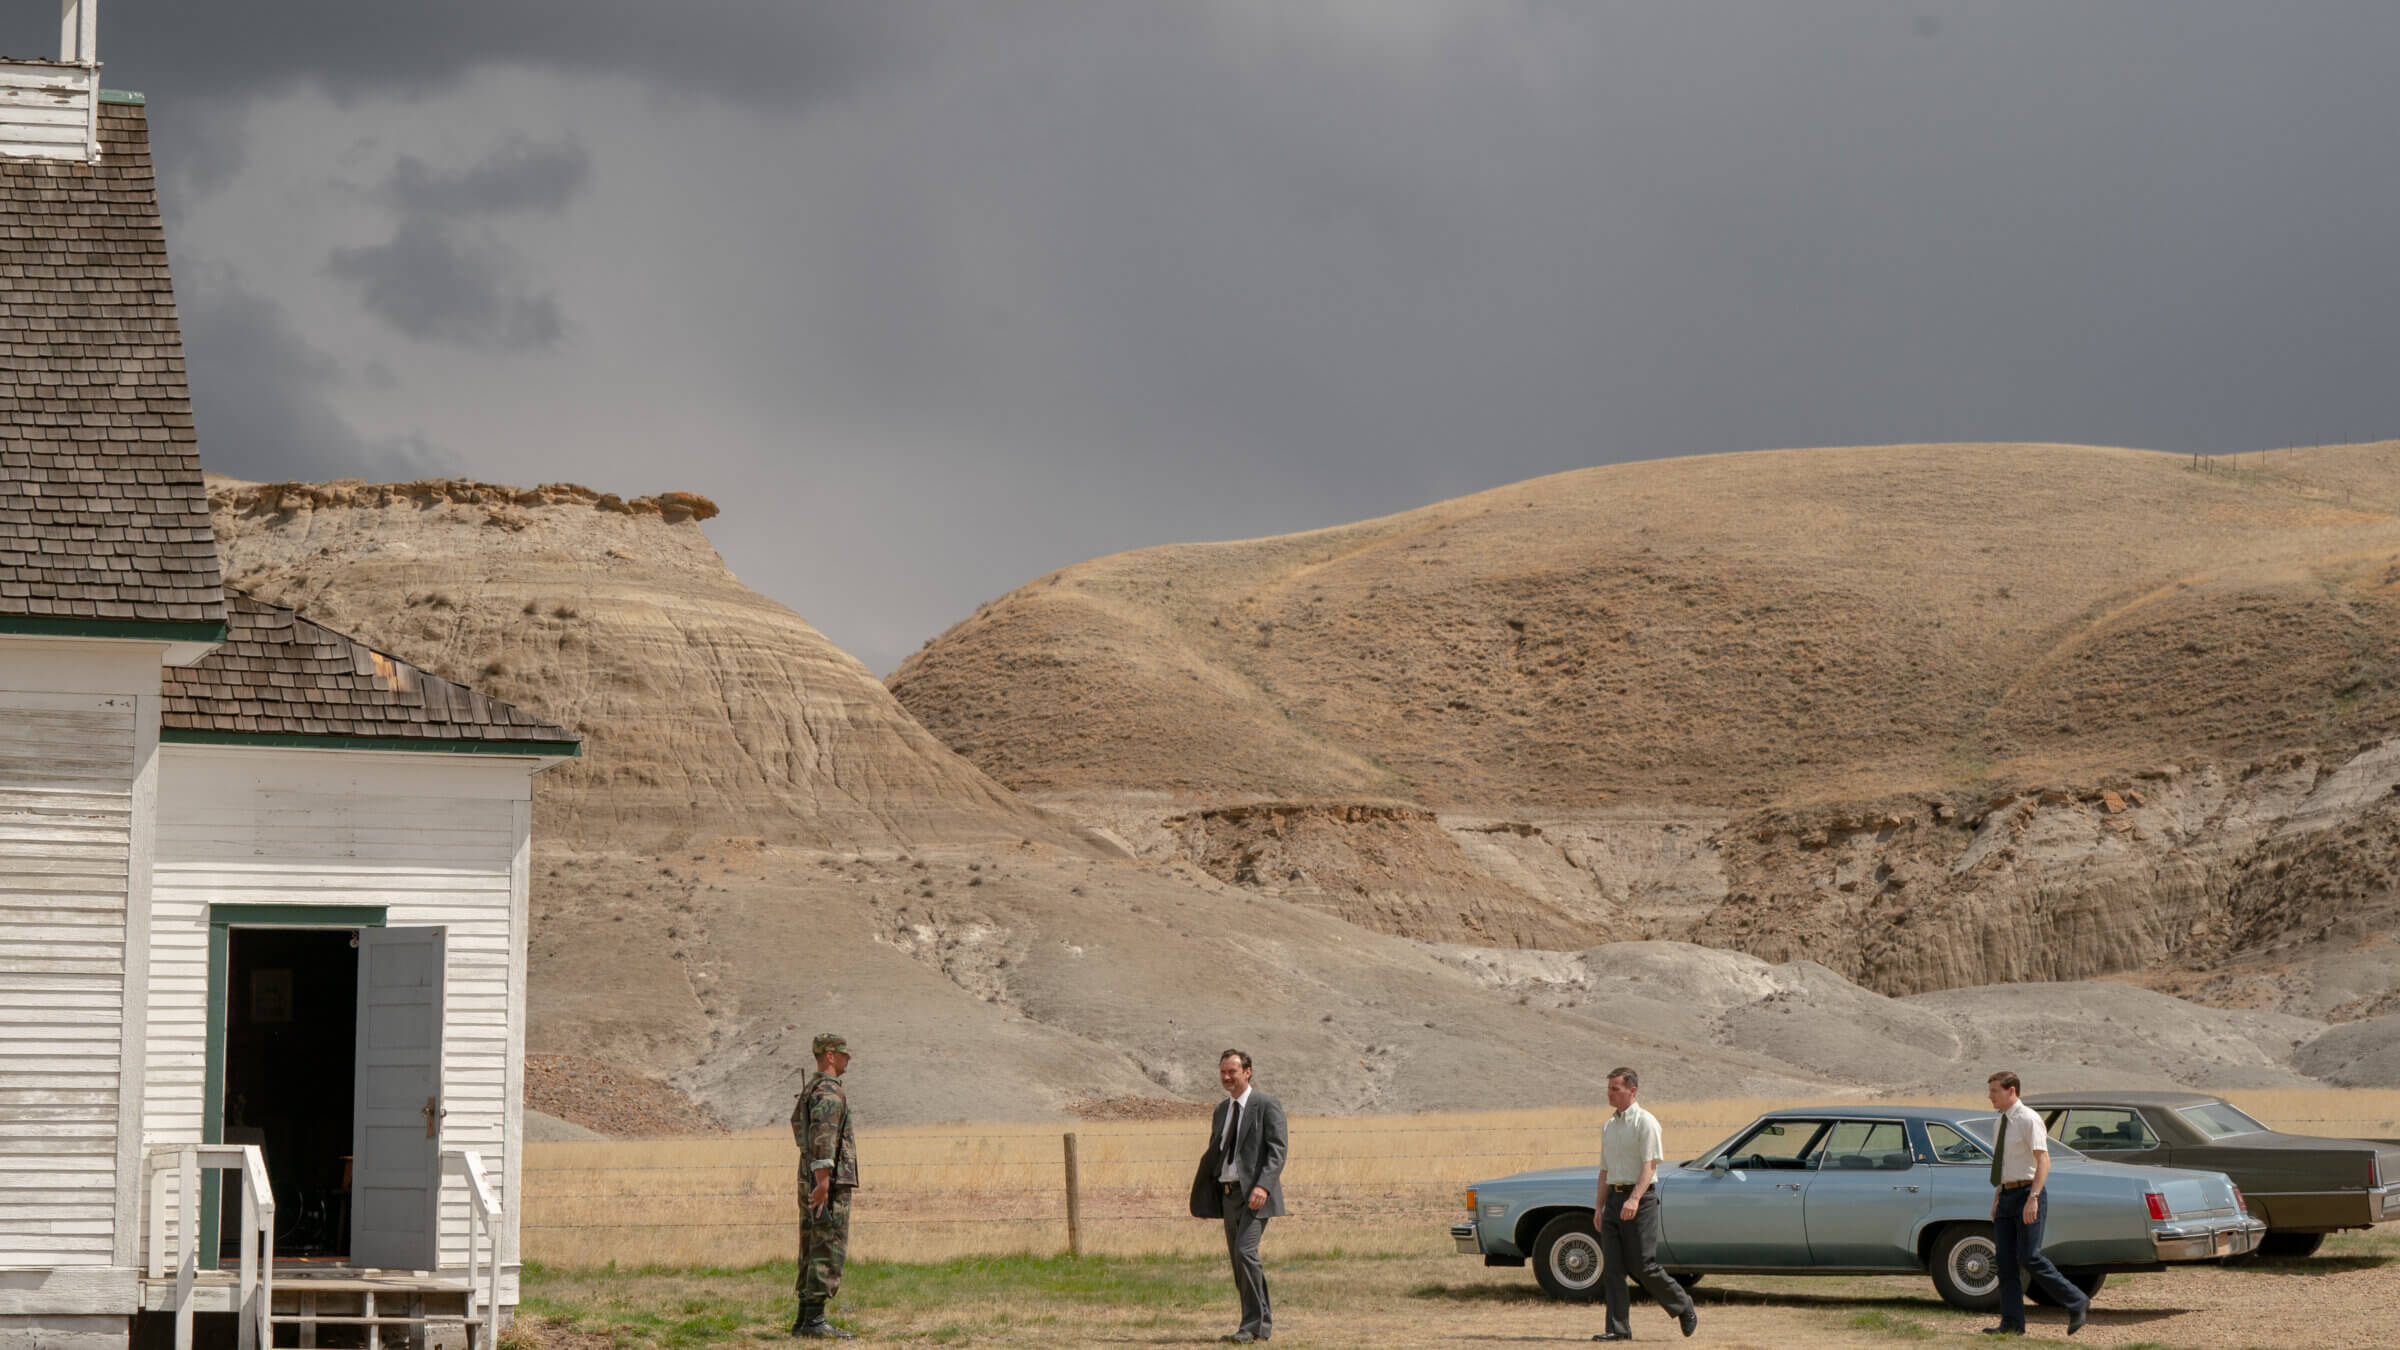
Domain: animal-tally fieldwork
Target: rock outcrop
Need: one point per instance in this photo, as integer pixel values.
(708, 709)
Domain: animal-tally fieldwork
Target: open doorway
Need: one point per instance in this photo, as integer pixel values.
(291, 1046)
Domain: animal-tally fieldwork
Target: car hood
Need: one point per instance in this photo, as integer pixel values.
(1588, 1172)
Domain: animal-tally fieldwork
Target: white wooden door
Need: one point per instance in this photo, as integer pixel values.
(395, 1173)
(66, 828)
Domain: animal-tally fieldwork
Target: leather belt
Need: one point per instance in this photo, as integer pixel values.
(1620, 1190)
(2014, 1185)
(1226, 1187)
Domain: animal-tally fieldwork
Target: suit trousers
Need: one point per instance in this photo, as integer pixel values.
(1631, 1248)
(1243, 1228)
(2020, 1246)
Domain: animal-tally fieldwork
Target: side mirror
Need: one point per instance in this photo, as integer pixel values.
(1718, 1166)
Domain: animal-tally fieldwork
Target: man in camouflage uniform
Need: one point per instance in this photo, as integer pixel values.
(828, 1173)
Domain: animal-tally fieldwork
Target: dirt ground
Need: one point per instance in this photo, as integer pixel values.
(2339, 1300)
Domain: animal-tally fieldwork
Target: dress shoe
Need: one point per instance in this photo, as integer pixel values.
(2003, 1331)
(1690, 1320)
(1240, 1338)
(2079, 1316)
(1613, 1336)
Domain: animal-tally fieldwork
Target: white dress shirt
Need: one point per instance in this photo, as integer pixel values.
(1233, 1123)
(2025, 1138)
(1629, 1139)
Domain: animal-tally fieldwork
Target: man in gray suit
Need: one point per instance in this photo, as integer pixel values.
(1241, 1181)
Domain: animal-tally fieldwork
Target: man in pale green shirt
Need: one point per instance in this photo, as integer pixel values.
(1625, 1212)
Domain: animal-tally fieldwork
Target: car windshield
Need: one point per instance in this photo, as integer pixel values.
(2219, 1119)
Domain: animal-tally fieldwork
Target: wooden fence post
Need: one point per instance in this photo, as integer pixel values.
(1074, 1203)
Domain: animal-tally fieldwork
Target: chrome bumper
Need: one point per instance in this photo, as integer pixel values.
(2387, 1203)
(2202, 1241)
(1469, 1243)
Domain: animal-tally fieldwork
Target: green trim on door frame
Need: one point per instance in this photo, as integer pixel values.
(222, 919)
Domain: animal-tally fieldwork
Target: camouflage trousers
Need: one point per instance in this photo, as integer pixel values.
(824, 1245)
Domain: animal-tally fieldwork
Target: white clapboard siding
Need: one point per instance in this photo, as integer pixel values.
(66, 839)
(433, 840)
(45, 110)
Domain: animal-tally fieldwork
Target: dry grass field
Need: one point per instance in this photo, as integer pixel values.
(1377, 1184)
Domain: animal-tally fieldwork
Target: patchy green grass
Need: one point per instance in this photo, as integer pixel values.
(947, 1302)
(1878, 1319)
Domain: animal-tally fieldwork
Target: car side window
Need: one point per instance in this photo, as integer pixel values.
(1778, 1145)
(2101, 1129)
(1952, 1147)
(1866, 1146)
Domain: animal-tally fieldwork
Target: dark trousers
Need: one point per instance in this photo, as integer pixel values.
(1243, 1228)
(1632, 1247)
(2020, 1246)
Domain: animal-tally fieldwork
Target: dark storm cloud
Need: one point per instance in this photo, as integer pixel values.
(440, 284)
(759, 50)
(1086, 276)
(520, 175)
(264, 398)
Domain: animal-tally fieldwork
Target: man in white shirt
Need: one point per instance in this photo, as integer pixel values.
(1626, 1212)
(2020, 1173)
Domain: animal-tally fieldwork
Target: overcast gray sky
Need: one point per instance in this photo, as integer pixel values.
(934, 298)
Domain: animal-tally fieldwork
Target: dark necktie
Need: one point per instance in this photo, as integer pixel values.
(1999, 1154)
(1233, 1126)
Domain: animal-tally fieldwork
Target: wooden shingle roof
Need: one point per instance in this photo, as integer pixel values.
(103, 517)
(279, 676)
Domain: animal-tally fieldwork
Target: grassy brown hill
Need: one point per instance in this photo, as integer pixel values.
(1932, 715)
(1727, 631)
(761, 843)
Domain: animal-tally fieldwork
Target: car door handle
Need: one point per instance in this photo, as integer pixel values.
(1792, 1186)
(1910, 1189)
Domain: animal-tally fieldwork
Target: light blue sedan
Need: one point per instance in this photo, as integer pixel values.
(1849, 1190)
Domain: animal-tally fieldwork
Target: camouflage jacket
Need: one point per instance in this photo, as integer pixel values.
(821, 1127)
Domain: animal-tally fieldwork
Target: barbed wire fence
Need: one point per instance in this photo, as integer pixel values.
(1052, 1194)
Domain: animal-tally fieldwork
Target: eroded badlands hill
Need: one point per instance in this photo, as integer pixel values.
(708, 709)
(762, 843)
(1933, 715)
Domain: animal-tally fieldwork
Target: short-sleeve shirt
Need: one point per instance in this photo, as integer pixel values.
(1629, 1139)
(2025, 1138)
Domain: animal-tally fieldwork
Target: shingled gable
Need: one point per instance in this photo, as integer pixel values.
(282, 680)
(104, 525)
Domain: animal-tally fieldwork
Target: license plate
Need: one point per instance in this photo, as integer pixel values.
(2224, 1243)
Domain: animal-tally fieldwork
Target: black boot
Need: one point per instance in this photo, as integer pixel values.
(813, 1325)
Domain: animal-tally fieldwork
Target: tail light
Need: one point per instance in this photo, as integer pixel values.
(1470, 1199)
(2374, 1170)
(2238, 1202)
(2158, 1206)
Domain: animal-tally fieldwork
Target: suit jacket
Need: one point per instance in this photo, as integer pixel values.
(1258, 1152)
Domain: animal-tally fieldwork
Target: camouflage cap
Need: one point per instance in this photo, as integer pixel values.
(827, 1043)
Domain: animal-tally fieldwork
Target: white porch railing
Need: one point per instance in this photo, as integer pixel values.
(255, 1285)
(483, 1242)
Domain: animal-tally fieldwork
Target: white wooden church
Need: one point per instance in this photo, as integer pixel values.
(262, 888)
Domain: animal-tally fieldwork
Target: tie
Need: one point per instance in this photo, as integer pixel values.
(1999, 1154)
(1233, 1127)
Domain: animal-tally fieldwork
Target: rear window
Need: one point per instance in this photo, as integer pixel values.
(2219, 1119)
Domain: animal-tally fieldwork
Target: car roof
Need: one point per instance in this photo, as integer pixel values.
(2165, 1099)
(1858, 1111)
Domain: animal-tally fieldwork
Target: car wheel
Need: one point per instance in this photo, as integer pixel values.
(1966, 1267)
(2288, 1246)
(2087, 1282)
(1566, 1258)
